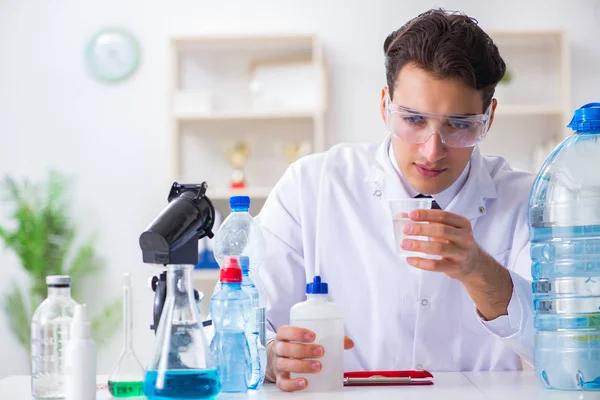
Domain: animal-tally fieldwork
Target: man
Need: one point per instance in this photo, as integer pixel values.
(470, 309)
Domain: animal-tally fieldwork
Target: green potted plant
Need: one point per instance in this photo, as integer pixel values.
(42, 234)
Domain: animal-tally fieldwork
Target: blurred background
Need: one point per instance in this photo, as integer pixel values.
(121, 98)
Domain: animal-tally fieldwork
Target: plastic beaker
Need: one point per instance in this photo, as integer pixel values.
(401, 209)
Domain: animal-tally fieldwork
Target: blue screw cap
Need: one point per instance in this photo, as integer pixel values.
(586, 119)
(316, 286)
(244, 263)
(239, 203)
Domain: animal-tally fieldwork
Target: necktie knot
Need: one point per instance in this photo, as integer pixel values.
(434, 204)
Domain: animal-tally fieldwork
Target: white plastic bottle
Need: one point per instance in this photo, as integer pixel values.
(319, 315)
(80, 359)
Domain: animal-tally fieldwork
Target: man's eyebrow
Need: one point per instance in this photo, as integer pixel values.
(412, 111)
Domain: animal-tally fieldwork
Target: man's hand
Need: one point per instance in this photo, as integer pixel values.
(284, 357)
(488, 283)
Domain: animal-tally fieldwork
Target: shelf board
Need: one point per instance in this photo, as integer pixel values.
(226, 193)
(515, 109)
(526, 37)
(249, 115)
(521, 33)
(206, 274)
(219, 42)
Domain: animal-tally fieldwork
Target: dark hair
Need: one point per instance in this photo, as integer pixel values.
(449, 45)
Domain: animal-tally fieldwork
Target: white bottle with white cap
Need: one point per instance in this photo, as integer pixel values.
(326, 320)
(80, 359)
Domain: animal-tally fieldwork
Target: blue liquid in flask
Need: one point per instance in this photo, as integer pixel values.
(186, 384)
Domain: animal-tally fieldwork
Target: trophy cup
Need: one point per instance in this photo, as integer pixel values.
(294, 150)
(237, 156)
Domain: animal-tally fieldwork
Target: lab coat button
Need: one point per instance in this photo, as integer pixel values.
(481, 210)
(419, 367)
(377, 193)
(424, 302)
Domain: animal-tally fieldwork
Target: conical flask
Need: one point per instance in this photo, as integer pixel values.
(182, 366)
(128, 376)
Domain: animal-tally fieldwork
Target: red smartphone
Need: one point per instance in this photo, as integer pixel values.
(387, 378)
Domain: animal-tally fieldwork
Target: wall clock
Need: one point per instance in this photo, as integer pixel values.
(112, 55)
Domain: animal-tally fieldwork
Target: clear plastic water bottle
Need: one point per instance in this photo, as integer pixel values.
(240, 235)
(258, 352)
(50, 332)
(564, 221)
(230, 308)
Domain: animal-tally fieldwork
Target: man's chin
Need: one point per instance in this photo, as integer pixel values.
(430, 186)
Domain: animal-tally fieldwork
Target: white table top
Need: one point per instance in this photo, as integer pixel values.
(448, 385)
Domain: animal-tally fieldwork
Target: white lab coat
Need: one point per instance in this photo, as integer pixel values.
(399, 317)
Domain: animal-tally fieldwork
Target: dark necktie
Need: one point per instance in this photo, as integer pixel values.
(434, 204)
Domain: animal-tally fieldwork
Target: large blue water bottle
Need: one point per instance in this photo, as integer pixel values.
(258, 352)
(564, 221)
(230, 308)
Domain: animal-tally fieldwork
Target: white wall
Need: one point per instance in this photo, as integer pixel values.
(113, 139)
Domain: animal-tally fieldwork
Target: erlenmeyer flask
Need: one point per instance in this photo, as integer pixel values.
(182, 366)
(128, 375)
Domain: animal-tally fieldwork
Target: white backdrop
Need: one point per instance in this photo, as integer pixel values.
(113, 139)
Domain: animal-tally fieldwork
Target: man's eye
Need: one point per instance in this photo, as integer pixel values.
(413, 119)
(458, 124)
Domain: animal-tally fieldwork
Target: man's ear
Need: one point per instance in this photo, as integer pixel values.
(383, 103)
(494, 105)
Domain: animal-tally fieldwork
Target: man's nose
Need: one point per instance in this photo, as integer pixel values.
(433, 149)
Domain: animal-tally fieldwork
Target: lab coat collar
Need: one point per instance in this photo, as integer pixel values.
(468, 202)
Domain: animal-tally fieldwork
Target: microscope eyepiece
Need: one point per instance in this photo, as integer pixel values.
(172, 238)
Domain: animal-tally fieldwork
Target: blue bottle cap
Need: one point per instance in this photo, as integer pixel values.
(239, 203)
(244, 263)
(586, 119)
(316, 286)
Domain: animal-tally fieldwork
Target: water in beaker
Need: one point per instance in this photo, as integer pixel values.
(182, 366)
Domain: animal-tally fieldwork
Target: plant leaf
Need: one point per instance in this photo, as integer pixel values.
(19, 316)
(106, 324)
(61, 231)
(5, 235)
(85, 263)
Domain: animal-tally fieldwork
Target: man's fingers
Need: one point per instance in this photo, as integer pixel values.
(297, 366)
(298, 350)
(430, 265)
(290, 385)
(435, 230)
(294, 334)
(446, 250)
(441, 216)
(348, 343)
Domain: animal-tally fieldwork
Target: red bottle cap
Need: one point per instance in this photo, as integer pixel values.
(231, 273)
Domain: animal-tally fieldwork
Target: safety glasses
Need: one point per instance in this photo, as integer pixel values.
(454, 130)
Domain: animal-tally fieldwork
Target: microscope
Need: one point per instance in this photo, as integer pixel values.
(182, 362)
(172, 238)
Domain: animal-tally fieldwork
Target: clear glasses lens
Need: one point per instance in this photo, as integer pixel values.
(454, 131)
